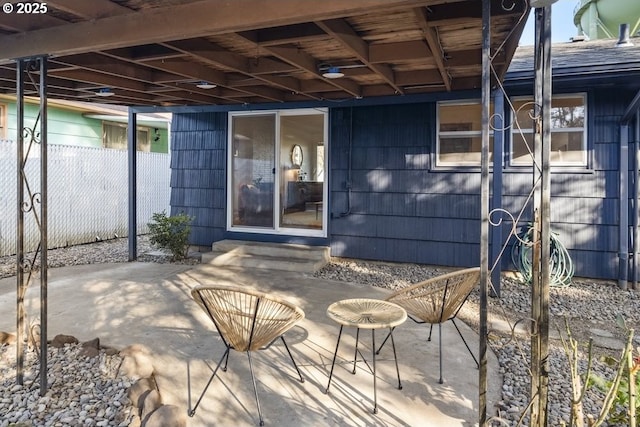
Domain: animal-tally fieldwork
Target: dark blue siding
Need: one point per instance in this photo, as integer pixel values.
(399, 209)
(584, 204)
(198, 176)
(387, 202)
(403, 210)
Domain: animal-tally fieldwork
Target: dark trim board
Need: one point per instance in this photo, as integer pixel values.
(341, 103)
(272, 238)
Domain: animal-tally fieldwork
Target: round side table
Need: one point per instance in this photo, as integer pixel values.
(365, 313)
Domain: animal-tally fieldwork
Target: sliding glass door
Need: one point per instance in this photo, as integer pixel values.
(277, 159)
(252, 170)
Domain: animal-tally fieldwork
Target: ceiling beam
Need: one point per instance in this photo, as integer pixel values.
(93, 9)
(167, 23)
(296, 57)
(23, 23)
(149, 52)
(287, 34)
(100, 79)
(416, 78)
(431, 37)
(203, 96)
(195, 72)
(107, 65)
(127, 70)
(399, 51)
(213, 54)
(459, 11)
(340, 30)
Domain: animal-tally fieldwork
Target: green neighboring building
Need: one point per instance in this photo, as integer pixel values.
(88, 125)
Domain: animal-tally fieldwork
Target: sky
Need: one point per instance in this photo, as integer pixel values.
(562, 27)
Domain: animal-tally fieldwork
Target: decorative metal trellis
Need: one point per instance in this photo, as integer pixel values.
(31, 200)
(539, 195)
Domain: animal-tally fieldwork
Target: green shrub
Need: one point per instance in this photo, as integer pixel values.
(171, 232)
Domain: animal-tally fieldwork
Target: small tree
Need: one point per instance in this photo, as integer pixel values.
(171, 232)
(620, 402)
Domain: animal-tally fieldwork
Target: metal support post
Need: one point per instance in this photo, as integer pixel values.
(132, 142)
(484, 210)
(21, 287)
(34, 204)
(541, 221)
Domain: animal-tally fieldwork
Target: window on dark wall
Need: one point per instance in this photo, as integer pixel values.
(459, 134)
(568, 131)
(3, 121)
(114, 135)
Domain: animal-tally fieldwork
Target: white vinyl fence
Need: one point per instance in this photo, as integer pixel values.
(88, 194)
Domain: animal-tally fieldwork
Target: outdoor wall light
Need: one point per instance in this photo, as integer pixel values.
(333, 73)
(105, 91)
(205, 85)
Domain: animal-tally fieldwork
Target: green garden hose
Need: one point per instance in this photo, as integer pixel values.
(562, 268)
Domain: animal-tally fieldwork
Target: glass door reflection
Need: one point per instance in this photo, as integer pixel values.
(253, 170)
(302, 171)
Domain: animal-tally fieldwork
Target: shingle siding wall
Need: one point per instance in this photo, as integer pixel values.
(584, 205)
(587, 213)
(399, 210)
(198, 174)
(403, 210)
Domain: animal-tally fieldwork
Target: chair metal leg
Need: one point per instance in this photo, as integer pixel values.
(430, 330)
(226, 362)
(225, 355)
(291, 356)
(255, 388)
(355, 356)
(465, 343)
(439, 349)
(334, 360)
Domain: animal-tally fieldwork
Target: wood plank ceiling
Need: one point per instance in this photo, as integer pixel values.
(154, 52)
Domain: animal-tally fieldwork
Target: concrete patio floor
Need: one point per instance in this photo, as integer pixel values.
(150, 304)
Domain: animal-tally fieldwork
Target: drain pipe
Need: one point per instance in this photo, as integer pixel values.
(348, 183)
(623, 223)
(623, 252)
(636, 198)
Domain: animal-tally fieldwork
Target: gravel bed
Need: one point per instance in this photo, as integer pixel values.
(107, 251)
(587, 305)
(83, 391)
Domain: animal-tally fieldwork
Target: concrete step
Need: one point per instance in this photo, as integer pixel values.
(272, 256)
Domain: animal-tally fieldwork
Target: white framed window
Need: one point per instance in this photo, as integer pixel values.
(459, 133)
(568, 131)
(3, 121)
(114, 135)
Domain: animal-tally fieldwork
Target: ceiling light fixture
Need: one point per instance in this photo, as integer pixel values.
(105, 91)
(205, 85)
(333, 73)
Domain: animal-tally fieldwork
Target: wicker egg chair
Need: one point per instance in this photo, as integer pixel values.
(437, 300)
(247, 321)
